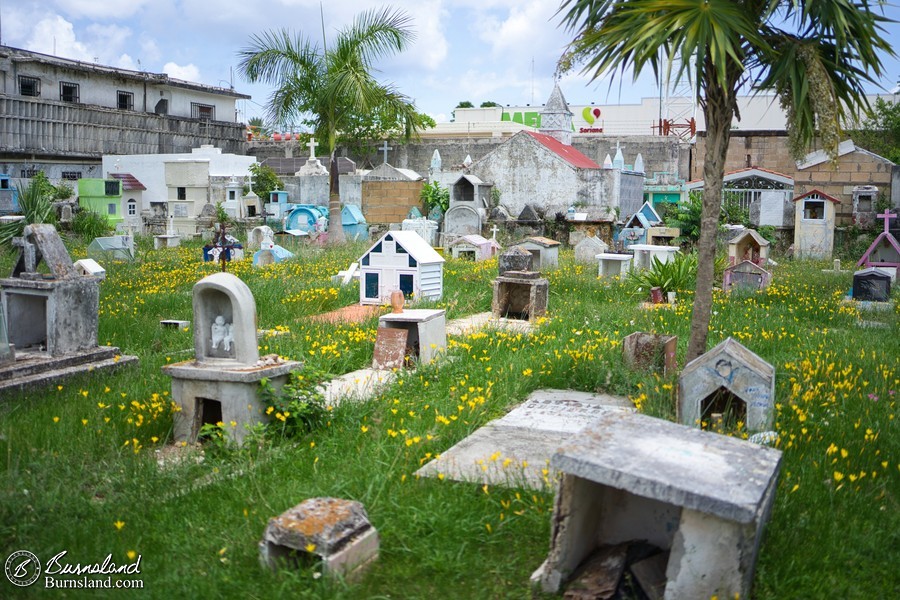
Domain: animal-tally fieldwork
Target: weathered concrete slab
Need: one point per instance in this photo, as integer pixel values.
(485, 320)
(674, 464)
(356, 386)
(515, 450)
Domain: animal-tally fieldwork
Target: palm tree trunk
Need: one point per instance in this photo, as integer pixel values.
(718, 112)
(335, 227)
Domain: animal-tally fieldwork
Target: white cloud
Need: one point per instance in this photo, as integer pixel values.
(55, 35)
(106, 10)
(187, 72)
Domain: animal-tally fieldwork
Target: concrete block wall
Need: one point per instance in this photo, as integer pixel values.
(390, 201)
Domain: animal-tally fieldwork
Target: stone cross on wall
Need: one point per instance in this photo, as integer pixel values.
(494, 231)
(384, 149)
(312, 148)
(887, 216)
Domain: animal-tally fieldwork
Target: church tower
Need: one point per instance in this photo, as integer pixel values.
(556, 118)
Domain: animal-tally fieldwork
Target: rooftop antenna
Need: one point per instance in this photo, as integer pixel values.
(532, 79)
(322, 16)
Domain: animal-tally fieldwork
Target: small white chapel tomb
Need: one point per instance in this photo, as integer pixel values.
(614, 265)
(400, 260)
(221, 384)
(701, 498)
(748, 245)
(474, 247)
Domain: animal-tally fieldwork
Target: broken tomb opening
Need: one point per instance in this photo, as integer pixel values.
(723, 411)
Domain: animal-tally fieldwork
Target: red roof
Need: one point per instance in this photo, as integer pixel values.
(820, 193)
(567, 153)
(129, 181)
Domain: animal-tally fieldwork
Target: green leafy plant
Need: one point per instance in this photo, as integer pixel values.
(221, 214)
(299, 406)
(63, 191)
(36, 205)
(434, 195)
(687, 217)
(264, 180)
(677, 275)
(89, 224)
(732, 211)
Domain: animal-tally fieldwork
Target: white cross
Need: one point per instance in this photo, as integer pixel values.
(312, 148)
(494, 231)
(384, 148)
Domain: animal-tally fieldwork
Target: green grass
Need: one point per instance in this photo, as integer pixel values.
(65, 482)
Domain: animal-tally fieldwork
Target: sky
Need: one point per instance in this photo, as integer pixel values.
(477, 50)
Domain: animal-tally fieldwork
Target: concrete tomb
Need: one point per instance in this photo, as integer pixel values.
(331, 532)
(221, 384)
(51, 318)
(474, 247)
(544, 252)
(731, 381)
(514, 258)
(426, 335)
(259, 234)
(520, 295)
(814, 221)
(614, 265)
(699, 498)
(645, 253)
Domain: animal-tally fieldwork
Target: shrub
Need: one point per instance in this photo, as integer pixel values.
(89, 225)
(434, 195)
(677, 275)
(299, 406)
(36, 204)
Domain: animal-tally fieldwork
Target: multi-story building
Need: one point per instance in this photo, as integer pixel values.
(61, 116)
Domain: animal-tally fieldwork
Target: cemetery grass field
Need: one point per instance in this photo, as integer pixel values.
(79, 460)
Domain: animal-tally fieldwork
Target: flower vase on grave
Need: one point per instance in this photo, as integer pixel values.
(397, 300)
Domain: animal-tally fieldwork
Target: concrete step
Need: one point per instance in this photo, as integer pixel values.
(64, 371)
(33, 363)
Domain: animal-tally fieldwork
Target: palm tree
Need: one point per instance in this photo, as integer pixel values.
(328, 85)
(815, 55)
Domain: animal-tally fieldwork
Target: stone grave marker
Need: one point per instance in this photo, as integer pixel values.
(426, 332)
(258, 235)
(587, 249)
(390, 348)
(514, 258)
(334, 532)
(872, 285)
(643, 351)
(700, 498)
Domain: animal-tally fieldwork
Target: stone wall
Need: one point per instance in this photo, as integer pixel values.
(390, 201)
(769, 150)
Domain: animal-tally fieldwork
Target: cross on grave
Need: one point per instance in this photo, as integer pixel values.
(886, 215)
(384, 149)
(494, 231)
(312, 148)
(221, 246)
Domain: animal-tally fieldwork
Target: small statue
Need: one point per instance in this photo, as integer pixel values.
(221, 332)
(229, 336)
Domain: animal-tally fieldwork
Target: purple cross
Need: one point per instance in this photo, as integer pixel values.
(887, 216)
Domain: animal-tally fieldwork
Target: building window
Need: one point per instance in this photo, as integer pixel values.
(125, 100)
(71, 175)
(232, 195)
(68, 92)
(111, 209)
(111, 187)
(29, 86)
(814, 209)
(132, 207)
(29, 173)
(181, 193)
(206, 112)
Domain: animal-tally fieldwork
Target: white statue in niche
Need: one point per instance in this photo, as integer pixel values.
(222, 333)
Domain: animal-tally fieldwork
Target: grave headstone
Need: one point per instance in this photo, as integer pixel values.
(390, 348)
(426, 332)
(872, 285)
(587, 249)
(258, 235)
(746, 275)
